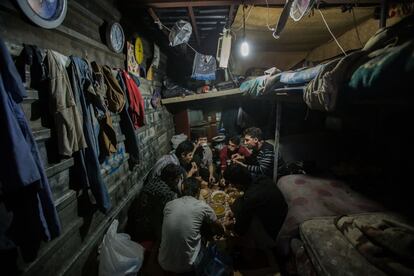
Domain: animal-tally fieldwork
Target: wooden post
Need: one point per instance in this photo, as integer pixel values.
(194, 23)
(277, 136)
(384, 13)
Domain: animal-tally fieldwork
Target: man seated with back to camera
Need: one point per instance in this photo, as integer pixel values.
(232, 148)
(181, 248)
(146, 211)
(203, 157)
(259, 213)
(261, 161)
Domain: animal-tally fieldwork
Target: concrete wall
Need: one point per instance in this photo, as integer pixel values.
(75, 251)
(349, 40)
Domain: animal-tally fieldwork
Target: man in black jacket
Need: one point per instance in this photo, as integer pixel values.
(260, 212)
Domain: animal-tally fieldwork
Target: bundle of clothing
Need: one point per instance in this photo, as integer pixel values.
(27, 211)
(274, 81)
(171, 89)
(385, 64)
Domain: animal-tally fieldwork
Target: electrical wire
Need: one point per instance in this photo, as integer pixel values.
(356, 27)
(267, 18)
(159, 23)
(244, 24)
(333, 36)
(247, 17)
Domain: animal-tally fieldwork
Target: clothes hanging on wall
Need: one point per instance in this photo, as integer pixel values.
(135, 78)
(31, 60)
(25, 187)
(131, 141)
(66, 115)
(107, 138)
(204, 67)
(107, 135)
(115, 97)
(86, 167)
(136, 102)
(100, 90)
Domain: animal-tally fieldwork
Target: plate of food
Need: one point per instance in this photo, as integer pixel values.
(218, 197)
(218, 209)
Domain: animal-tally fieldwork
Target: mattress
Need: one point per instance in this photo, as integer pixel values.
(309, 197)
(330, 252)
(375, 243)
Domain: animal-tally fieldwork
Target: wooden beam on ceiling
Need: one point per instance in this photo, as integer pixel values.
(156, 18)
(231, 16)
(194, 23)
(199, 3)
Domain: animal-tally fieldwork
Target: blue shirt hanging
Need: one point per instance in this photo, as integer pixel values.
(25, 186)
(204, 67)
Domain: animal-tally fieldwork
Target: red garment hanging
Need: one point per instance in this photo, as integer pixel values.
(136, 102)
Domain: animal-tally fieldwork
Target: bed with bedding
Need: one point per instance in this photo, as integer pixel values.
(309, 197)
(332, 230)
(378, 243)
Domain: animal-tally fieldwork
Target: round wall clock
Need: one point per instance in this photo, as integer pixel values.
(46, 13)
(139, 50)
(115, 38)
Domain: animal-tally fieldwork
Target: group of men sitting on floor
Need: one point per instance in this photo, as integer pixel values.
(169, 212)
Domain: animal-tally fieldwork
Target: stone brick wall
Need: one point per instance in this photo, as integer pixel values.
(75, 252)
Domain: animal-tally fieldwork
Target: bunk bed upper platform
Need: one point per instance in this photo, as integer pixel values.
(280, 94)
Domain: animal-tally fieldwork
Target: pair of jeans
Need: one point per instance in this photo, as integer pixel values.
(211, 262)
(86, 169)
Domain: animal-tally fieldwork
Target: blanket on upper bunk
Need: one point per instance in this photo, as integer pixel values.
(389, 68)
(385, 64)
(322, 92)
(300, 76)
(274, 80)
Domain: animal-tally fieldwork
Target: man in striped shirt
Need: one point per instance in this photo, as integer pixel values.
(260, 163)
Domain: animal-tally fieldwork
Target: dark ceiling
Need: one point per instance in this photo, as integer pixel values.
(208, 17)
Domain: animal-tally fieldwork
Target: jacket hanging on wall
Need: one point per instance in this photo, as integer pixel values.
(115, 97)
(107, 135)
(136, 102)
(25, 187)
(204, 67)
(131, 141)
(68, 121)
(86, 166)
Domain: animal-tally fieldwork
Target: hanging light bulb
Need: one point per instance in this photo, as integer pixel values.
(244, 49)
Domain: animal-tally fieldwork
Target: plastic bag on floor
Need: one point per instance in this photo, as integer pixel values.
(214, 263)
(118, 254)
